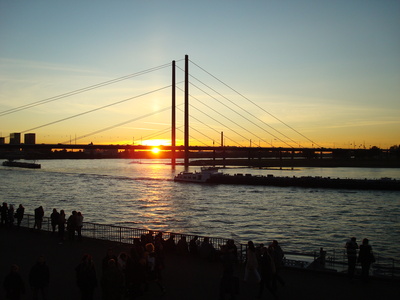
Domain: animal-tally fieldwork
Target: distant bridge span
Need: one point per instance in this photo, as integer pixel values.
(161, 147)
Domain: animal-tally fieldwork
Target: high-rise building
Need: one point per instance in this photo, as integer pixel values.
(30, 138)
(15, 138)
(2, 140)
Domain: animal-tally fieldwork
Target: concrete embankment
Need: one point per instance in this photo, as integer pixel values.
(184, 277)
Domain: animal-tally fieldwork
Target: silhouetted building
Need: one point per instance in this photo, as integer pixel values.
(30, 138)
(2, 140)
(15, 138)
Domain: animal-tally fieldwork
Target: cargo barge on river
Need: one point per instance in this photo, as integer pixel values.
(19, 164)
(213, 176)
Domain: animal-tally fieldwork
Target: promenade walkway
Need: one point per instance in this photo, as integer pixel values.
(184, 277)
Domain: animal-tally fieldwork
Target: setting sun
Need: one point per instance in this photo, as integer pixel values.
(155, 150)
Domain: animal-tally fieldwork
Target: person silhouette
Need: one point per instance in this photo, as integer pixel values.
(366, 258)
(39, 278)
(20, 214)
(39, 213)
(351, 249)
(13, 284)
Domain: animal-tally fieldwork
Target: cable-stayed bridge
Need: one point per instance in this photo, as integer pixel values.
(212, 121)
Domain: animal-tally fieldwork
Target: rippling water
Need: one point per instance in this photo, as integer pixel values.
(144, 195)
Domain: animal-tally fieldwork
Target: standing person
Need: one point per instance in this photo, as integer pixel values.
(11, 216)
(39, 213)
(268, 272)
(229, 284)
(20, 214)
(182, 247)
(121, 264)
(112, 282)
(4, 213)
(193, 247)
(71, 226)
(86, 278)
(39, 278)
(351, 249)
(79, 224)
(55, 216)
(277, 255)
(154, 266)
(366, 258)
(251, 263)
(109, 255)
(136, 270)
(61, 225)
(13, 284)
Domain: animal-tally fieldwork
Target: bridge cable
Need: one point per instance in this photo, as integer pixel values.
(245, 138)
(193, 138)
(216, 120)
(158, 133)
(96, 109)
(211, 128)
(242, 117)
(75, 92)
(120, 124)
(290, 127)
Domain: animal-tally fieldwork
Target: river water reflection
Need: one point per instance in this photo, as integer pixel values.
(144, 195)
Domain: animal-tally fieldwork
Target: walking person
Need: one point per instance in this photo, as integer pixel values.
(351, 249)
(366, 258)
(86, 278)
(39, 278)
(13, 284)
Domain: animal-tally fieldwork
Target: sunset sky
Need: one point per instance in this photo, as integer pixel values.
(309, 73)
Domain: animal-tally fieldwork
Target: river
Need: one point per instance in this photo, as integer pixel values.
(142, 194)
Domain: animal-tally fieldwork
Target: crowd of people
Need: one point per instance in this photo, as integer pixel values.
(129, 274)
(59, 222)
(8, 215)
(262, 266)
(39, 278)
(73, 224)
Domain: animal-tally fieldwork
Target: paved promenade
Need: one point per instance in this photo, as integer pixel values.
(184, 277)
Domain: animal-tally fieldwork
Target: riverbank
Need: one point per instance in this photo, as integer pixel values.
(184, 277)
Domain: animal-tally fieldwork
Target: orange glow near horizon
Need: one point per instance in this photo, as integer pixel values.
(156, 142)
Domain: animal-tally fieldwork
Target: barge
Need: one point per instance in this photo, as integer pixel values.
(18, 164)
(212, 176)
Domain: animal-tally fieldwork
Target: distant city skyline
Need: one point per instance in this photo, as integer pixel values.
(330, 71)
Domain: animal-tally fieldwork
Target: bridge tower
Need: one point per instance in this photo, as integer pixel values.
(173, 118)
(186, 125)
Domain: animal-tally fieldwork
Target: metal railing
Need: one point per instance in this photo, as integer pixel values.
(334, 260)
(126, 235)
